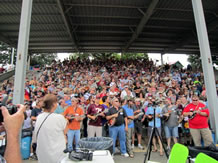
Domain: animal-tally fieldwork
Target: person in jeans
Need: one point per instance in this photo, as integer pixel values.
(74, 124)
(119, 127)
(171, 124)
(130, 115)
(199, 124)
(149, 113)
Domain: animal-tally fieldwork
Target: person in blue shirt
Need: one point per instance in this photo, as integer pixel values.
(150, 113)
(130, 116)
(105, 129)
(61, 107)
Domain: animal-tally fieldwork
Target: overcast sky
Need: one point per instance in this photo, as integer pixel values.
(167, 58)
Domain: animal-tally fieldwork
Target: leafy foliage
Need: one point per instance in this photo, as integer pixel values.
(5, 53)
(103, 56)
(134, 56)
(42, 59)
(195, 61)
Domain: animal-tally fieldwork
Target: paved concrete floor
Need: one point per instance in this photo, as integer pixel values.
(139, 158)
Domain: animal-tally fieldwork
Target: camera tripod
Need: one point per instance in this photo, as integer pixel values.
(153, 132)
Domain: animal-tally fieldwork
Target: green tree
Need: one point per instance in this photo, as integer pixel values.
(195, 61)
(5, 53)
(104, 56)
(134, 56)
(42, 59)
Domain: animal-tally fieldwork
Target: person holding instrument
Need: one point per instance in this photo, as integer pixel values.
(198, 124)
(171, 122)
(130, 116)
(157, 119)
(120, 125)
(95, 113)
(73, 124)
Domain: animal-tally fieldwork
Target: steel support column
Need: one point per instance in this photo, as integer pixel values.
(206, 63)
(22, 50)
(161, 56)
(12, 56)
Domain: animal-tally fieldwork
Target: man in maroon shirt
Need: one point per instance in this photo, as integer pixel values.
(199, 123)
(95, 114)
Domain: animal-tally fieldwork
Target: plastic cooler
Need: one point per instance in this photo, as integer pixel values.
(25, 144)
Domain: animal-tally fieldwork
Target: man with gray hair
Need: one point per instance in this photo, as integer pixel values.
(118, 124)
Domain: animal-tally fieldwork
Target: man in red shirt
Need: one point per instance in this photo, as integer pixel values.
(199, 123)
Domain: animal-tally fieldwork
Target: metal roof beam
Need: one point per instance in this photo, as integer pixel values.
(67, 24)
(6, 40)
(34, 14)
(51, 47)
(20, 4)
(5, 26)
(128, 17)
(59, 43)
(131, 7)
(110, 25)
(142, 23)
(190, 37)
(101, 5)
(104, 16)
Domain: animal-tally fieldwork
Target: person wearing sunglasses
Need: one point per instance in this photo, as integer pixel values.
(198, 116)
(119, 127)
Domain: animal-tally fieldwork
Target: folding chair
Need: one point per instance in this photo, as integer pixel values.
(178, 154)
(203, 158)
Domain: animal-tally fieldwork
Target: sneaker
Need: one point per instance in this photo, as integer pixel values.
(112, 156)
(125, 154)
(168, 149)
(140, 147)
(33, 157)
(133, 146)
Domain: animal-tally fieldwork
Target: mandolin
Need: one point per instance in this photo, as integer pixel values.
(112, 121)
(71, 117)
(195, 112)
(135, 116)
(98, 114)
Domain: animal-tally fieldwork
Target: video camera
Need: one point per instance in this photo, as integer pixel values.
(11, 109)
(82, 155)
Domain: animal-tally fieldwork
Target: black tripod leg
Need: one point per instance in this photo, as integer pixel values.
(150, 149)
(149, 146)
(161, 140)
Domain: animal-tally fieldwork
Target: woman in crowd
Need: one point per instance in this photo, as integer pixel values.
(50, 132)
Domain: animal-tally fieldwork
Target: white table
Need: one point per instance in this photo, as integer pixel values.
(103, 156)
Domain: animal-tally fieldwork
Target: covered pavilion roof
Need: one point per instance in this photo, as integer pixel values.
(159, 26)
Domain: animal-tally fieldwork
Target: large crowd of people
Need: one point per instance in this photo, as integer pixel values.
(117, 99)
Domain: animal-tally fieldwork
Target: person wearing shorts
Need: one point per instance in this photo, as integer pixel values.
(138, 123)
(149, 113)
(171, 124)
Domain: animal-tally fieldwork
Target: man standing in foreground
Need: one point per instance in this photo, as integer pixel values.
(198, 124)
(74, 115)
(119, 127)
